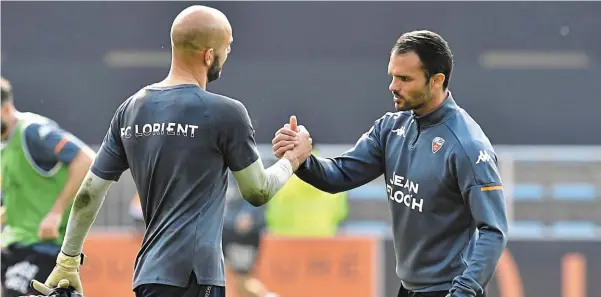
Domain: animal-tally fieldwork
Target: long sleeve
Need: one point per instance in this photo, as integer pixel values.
(358, 166)
(482, 190)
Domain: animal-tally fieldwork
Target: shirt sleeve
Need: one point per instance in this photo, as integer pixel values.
(475, 167)
(239, 145)
(54, 142)
(111, 160)
(356, 167)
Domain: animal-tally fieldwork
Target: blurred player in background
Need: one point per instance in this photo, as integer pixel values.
(135, 211)
(441, 176)
(42, 168)
(301, 210)
(243, 228)
(2, 209)
(179, 140)
(298, 209)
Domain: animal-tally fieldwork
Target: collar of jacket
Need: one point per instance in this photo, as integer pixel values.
(443, 112)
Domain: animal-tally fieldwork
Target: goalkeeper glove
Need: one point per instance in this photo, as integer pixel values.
(67, 268)
(64, 289)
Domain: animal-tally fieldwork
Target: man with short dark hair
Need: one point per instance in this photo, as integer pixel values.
(441, 175)
(42, 168)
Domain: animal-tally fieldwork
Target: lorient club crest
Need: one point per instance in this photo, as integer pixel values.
(437, 144)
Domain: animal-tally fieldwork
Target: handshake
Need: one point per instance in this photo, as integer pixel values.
(293, 143)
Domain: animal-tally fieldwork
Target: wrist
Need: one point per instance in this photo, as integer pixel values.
(55, 213)
(303, 164)
(460, 292)
(293, 161)
(58, 208)
(68, 255)
(67, 260)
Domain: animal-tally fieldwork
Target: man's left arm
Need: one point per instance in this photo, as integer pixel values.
(70, 151)
(475, 167)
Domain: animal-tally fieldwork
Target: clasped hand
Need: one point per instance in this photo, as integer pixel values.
(292, 142)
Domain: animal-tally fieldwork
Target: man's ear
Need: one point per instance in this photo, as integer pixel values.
(437, 80)
(209, 56)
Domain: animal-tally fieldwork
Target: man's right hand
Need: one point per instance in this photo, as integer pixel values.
(293, 142)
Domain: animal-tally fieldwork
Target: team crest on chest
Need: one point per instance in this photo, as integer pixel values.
(437, 144)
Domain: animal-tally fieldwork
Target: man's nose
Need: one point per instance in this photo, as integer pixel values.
(394, 88)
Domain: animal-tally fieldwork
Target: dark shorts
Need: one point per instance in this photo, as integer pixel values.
(22, 264)
(241, 250)
(192, 290)
(406, 293)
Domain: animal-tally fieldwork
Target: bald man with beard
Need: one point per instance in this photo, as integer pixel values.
(179, 140)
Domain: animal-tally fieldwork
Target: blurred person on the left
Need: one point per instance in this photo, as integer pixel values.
(42, 169)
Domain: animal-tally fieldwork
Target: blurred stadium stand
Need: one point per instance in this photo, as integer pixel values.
(529, 77)
(552, 192)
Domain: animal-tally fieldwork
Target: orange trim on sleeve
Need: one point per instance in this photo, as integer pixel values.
(491, 188)
(60, 145)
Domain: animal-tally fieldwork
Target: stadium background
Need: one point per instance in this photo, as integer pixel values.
(528, 72)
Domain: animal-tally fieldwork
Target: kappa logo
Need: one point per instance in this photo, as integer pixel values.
(483, 157)
(437, 144)
(400, 132)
